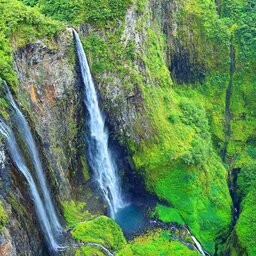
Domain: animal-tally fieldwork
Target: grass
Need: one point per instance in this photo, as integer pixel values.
(75, 213)
(167, 214)
(101, 230)
(3, 216)
(155, 243)
(20, 25)
(246, 225)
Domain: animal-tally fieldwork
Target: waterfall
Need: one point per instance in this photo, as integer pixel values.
(19, 161)
(198, 245)
(101, 162)
(25, 131)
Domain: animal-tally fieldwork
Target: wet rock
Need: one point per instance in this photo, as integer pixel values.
(6, 247)
(50, 92)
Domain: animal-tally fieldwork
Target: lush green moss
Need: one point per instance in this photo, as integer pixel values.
(79, 11)
(140, 6)
(101, 230)
(245, 228)
(199, 195)
(175, 153)
(74, 212)
(238, 17)
(20, 25)
(30, 2)
(3, 103)
(155, 243)
(176, 157)
(70, 11)
(179, 164)
(246, 225)
(3, 216)
(178, 161)
(200, 37)
(90, 251)
(246, 178)
(168, 214)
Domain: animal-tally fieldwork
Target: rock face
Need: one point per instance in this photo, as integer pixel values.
(49, 91)
(50, 95)
(21, 235)
(159, 128)
(6, 248)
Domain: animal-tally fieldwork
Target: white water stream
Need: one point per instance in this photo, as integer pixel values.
(101, 161)
(19, 161)
(26, 133)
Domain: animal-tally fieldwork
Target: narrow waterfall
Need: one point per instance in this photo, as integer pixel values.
(101, 162)
(19, 161)
(25, 131)
(198, 245)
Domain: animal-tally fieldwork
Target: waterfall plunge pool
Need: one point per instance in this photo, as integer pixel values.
(132, 219)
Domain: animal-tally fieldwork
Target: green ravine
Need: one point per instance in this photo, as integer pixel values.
(176, 80)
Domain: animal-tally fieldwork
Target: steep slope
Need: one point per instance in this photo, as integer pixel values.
(166, 134)
(50, 99)
(176, 81)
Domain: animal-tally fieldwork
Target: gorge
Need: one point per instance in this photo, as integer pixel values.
(127, 127)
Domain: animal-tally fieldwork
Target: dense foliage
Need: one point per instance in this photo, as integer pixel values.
(80, 11)
(156, 243)
(20, 25)
(101, 230)
(3, 216)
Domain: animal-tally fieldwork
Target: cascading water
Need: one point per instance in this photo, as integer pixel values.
(105, 171)
(198, 245)
(19, 161)
(25, 131)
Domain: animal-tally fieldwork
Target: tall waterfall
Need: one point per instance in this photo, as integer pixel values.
(19, 161)
(25, 131)
(101, 162)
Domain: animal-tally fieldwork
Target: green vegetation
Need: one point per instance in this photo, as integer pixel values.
(199, 26)
(246, 225)
(3, 103)
(3, 216)
(177, 159)
(247, 179)
(246, 228)
(167, 214)
(88, 228)
(20, 25)
(156, 243)
(101, 230)
(178, 133)
(81, 11)
(90, 251)
(74, 212)
(237, 20)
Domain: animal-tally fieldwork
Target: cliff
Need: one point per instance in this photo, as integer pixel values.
(175, 81)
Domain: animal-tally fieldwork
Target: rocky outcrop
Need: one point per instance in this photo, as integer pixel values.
(50, 91)
(6, 248)
(20, 235)
(50, 95)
